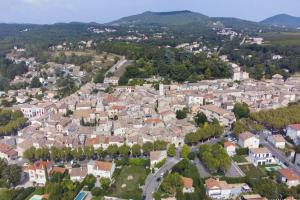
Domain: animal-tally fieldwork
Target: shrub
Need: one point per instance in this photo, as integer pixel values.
(242, 151)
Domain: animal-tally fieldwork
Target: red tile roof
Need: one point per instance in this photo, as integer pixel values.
(288, 174)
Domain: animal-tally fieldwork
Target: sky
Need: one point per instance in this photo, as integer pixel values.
(101, 11)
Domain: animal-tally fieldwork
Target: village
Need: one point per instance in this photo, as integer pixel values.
(101, 115)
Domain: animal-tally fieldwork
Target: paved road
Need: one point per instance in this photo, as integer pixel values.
(151, 184)
(203, 172)
(119, 64)
(278, 154)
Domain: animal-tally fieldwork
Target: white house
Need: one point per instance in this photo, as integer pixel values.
(230, 148)
(277, 140)
(216, 189)
(248, 140)
(261, 156)
(187, 185)
(285, 175)
(101, 169)
(157, 156)
(293, 131)
(37, 171)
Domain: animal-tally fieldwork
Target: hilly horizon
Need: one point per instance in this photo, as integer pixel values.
(282, 20)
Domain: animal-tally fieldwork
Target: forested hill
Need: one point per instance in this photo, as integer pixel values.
(283, 20)
(164, 18)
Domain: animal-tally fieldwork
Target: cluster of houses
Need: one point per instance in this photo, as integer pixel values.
(40, 171)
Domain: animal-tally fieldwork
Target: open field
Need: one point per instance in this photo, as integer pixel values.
(128, 181)
(282, 38)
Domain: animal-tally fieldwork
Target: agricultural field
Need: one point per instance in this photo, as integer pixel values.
(282, 38)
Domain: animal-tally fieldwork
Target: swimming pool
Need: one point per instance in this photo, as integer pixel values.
(36, 197)
(80, 196)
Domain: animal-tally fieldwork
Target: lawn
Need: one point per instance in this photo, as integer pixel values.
(251, 171)
(239, 159)
(127, 183)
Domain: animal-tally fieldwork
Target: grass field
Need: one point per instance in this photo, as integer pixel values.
(251, 171)
(282, 38)
(128, 181)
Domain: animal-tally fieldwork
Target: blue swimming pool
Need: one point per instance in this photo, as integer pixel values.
(81, 196)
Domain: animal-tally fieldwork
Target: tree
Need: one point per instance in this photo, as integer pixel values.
(90, 181)
(214, 157)
(89, 152)
(147, 147)
(200, 119)
(185, 151)
(112, 150)
(101, 152)
(241, 110)
(136, 150)
(172, 183)
(104, 182)
(30, 154)
(171, 150)
(181, 114)
(35, 82)
(13, 174)
(160, 145)
(124, 150)
(99, 77)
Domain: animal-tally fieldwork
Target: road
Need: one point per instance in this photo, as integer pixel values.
(203, 172)
(277, 153)
(151, 183)
(114, 68)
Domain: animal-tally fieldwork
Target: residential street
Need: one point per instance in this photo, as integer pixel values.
(151, 183)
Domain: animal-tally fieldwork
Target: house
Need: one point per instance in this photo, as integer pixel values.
(248, 140)
(261, 156)
(293, 131)
(230, 148)
(216, 189)
(39, 171)
(285, 175)
(78, 174)
(277, 140)
(7, 152)
(187, 185)
(157, 156)
(101, 169)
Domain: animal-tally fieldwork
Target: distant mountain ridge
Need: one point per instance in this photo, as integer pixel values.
(282, 20)
(163, 18)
